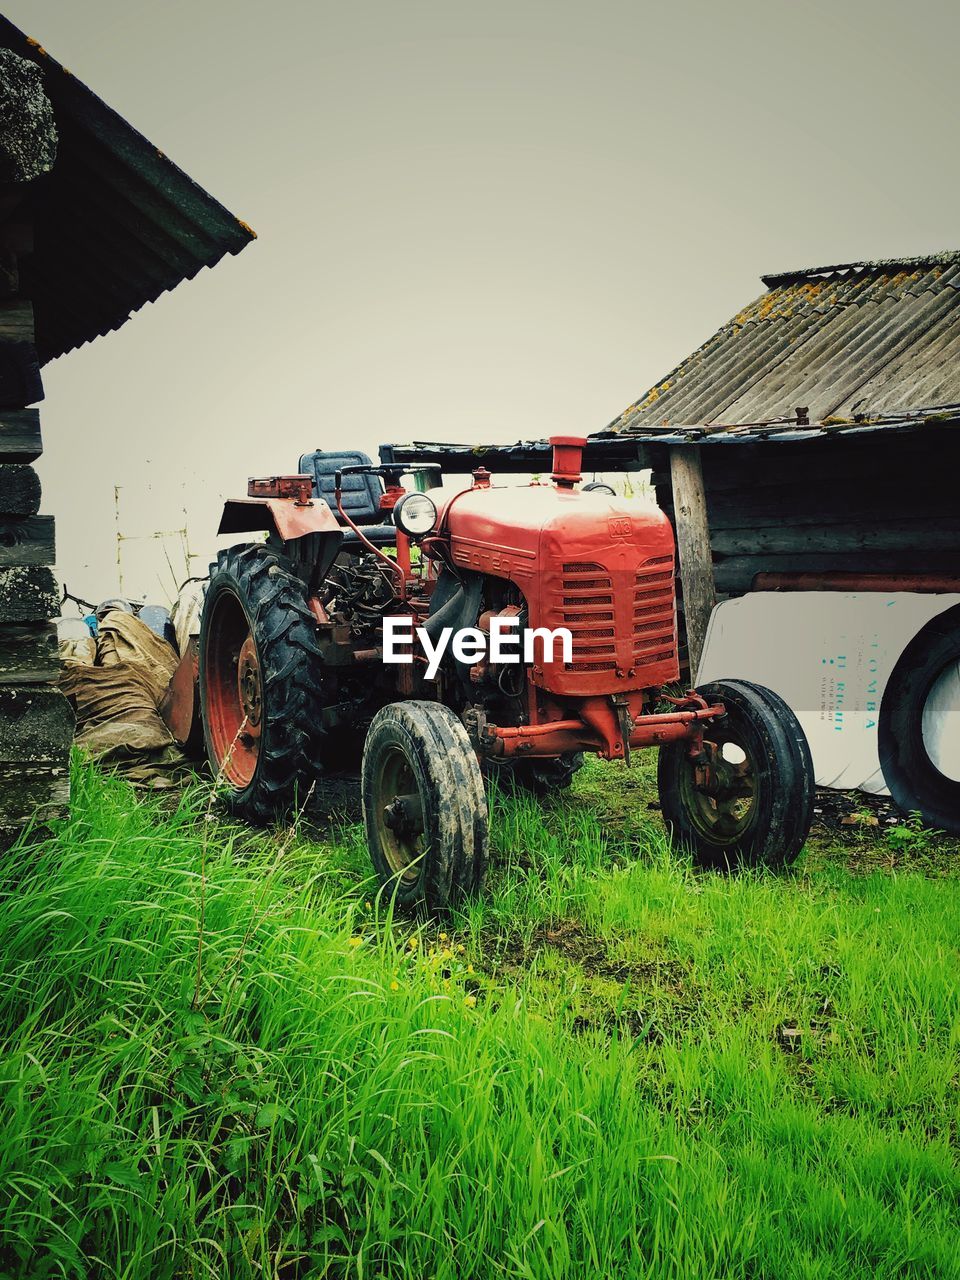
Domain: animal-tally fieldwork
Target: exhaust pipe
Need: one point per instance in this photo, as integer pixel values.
(567, 460)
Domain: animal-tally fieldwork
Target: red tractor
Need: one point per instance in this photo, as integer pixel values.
(293, 680)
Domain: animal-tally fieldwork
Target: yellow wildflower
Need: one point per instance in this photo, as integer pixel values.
(355, 941)
(394, 985)
(413, 942)
(469, 1001)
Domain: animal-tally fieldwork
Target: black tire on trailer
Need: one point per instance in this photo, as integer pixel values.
(756, 806)
(915, 782)
(424, 807)
(259, 676)
(544, 775)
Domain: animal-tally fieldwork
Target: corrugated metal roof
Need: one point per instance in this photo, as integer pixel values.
(858, 339)
(631, 450)
(116, 222)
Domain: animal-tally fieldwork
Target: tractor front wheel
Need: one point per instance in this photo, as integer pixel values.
(424, 807)
(259, 683)
(748, 801)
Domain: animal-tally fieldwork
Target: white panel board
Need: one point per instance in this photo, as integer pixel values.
(829, 655)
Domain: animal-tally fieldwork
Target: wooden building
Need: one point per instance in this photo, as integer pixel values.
(94, 222)
(813, 442)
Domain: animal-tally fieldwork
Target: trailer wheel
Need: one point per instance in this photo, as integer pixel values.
(544, 775)
(753, 805)
(259, 683)
(424, 807)
(923, 774)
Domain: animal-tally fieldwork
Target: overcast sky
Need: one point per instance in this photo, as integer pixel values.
(486, 221)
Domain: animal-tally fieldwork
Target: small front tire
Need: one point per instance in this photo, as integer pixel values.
(752, 805)
(424, 807)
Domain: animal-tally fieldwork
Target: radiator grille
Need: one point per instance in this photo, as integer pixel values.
(654, 637)
(587, 611)
(587, 599)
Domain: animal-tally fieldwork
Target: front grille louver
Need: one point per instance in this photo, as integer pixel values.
(587, 611)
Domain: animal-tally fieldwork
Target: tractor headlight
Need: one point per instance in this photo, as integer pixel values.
(415, 514)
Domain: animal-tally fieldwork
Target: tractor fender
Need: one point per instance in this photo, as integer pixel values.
(283, 516)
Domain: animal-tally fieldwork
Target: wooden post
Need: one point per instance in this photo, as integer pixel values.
(36, 720)
(693, 544)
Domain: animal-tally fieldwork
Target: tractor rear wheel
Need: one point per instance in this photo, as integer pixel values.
(749, 803)
(424, 807)
(259, 683)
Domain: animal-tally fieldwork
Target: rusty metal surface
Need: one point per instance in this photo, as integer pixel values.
(180, 707)
(117, 222)
(289, 518)
(864, 340)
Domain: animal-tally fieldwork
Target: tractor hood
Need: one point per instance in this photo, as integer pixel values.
(598, 565)
(505, 531)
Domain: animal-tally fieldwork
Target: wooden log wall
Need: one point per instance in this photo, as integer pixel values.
(36, 723)
(875, 503)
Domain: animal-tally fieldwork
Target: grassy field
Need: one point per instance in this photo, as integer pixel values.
(222, 1058)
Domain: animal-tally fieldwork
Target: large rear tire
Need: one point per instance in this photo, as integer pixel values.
(259, 675)
(918, 780)
(424, 807)
(754, 805)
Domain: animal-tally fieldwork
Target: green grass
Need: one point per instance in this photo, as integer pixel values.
(219, 1061)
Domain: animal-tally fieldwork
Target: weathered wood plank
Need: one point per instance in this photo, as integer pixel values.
(19, 490)
(16, 320)
(37, 794)
(918, 536)
(820, 465)
(693, 545)
(28, 594)
(36, 734)
(20, 381)
(734, 575)
(29, 655)
(892, 498)
(16, 240)
(20, 435)
(29, 540)
(36, 724)
(9, 273)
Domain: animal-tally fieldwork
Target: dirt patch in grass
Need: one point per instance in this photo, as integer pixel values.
(591, 952)
(613, 994)
(869, 833)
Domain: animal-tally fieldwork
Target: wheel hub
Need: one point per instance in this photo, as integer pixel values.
(404, 816)
(249, 686)
(721, 797)
(400, 815)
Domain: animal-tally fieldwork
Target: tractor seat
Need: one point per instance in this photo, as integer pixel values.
(360, 495)
(360, 492)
